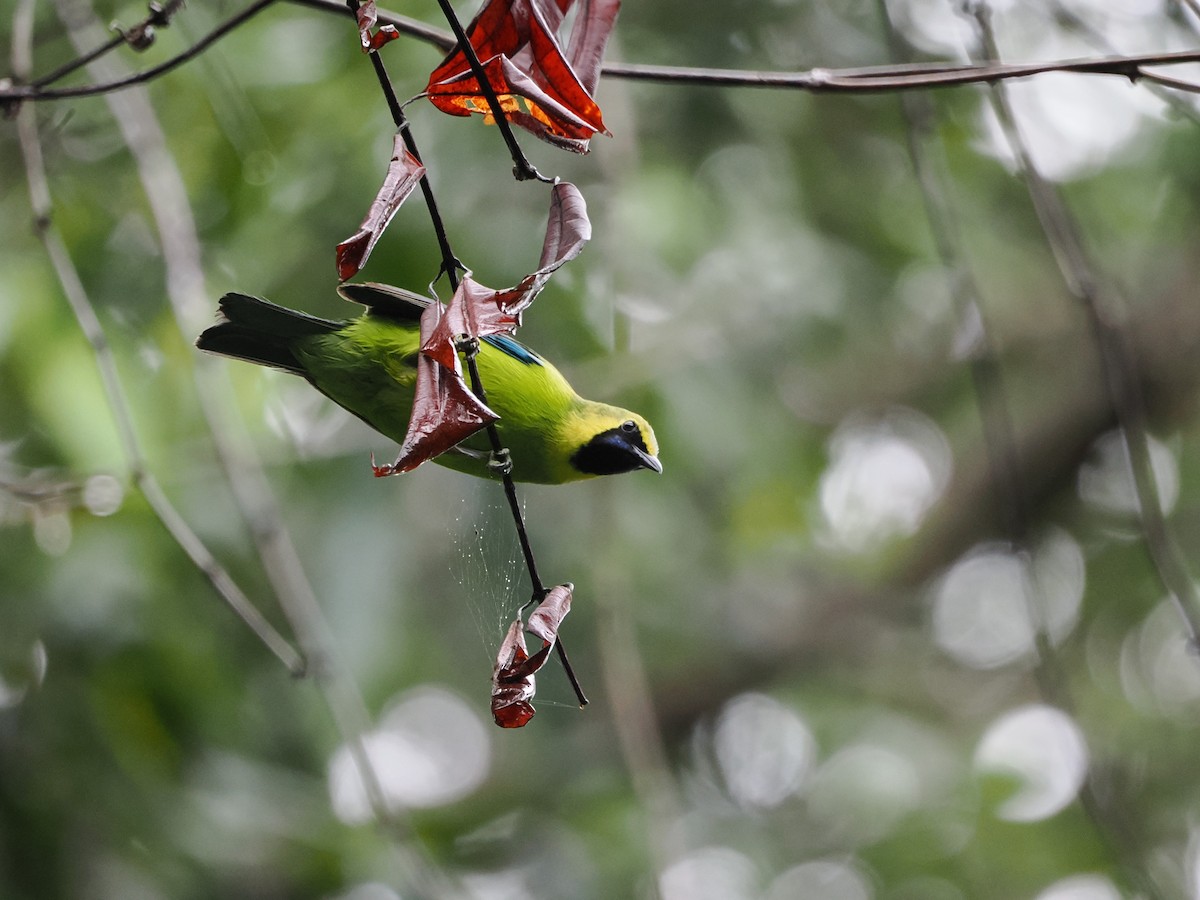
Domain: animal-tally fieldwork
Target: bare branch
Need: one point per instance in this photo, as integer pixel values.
(89, 323)
(865, 80)
(1118, 358)
(451, 266)
(167, 196)
(17, 93)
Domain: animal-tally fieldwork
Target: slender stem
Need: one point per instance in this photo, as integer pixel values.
(867, 79)
(450, 262)
(873, 79)
(79, 62)
(34, 92)
(143, 478)
(451, 266)
(523, 169)
(510, 491)
(140, 36)
(1118, 359)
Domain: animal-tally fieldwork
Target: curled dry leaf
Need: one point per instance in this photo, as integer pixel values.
(478, 311)
(540, 87)
(513, 685)
(444, 412)
(403, 174)
(511, 695)
(368, 18)
(567, 229)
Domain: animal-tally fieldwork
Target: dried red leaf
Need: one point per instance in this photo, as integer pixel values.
(444, 412)
(477, 311)
(568, 228)
(368, 17)
(513, 683)
(516, 42)
(403, 174)
(510, 696)
(545, 620)
(474, 311)
(593, 24)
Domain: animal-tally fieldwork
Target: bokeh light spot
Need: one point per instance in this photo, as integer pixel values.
(883, 476)
(765, 750)
(710, 873)
(430, 749)
(821, 880)
(1158, 668)
(102, 495)
(984, 606)
(1106, 483)
(1081, 887)
(1043, 749)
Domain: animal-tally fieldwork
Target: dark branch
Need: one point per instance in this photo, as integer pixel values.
(33, 92)
(874, 79)
(523, 169)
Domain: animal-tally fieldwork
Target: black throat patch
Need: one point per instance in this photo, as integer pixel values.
(611, 452)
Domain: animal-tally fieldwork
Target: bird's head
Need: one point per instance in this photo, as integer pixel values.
(606, 440)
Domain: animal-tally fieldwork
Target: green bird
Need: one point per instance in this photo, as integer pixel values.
(368, 366)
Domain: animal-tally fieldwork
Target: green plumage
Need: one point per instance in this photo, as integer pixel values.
(368, 366)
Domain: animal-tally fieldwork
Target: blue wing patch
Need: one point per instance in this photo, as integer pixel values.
(513, 348)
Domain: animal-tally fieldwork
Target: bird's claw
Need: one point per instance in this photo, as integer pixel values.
(500, 462)
(466, 344)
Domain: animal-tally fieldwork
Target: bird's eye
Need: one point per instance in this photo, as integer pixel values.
(629, 426)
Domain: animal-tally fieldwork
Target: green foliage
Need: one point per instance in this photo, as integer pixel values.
(764, 286)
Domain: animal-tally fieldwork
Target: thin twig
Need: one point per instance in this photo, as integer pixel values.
(188, 297)
(523, 169)
(32, 92)
(510, 491)
(140, 36)
(1178, 84)
(866, 79)
(451, 267)
(874, 79)
(89, 323)
(1118, 359)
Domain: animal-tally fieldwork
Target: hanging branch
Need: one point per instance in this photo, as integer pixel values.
(523, 169)
(188, 299)
(33, 90)
(871, 79)
(135, 460)
(1117, 357)
(140, 37)
(1009, 492)
(452, 267)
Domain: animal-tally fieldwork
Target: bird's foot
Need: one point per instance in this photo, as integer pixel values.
(500, 462)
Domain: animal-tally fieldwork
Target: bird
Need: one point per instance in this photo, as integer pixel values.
(368, 366)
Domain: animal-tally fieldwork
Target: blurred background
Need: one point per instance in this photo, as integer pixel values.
(830, 655)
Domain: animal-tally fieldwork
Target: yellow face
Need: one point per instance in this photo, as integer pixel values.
(607, 440)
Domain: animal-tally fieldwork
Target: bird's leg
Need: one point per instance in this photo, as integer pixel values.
(467, 345)
(500, 462)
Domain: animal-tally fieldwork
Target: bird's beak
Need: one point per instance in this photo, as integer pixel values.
(646, 461)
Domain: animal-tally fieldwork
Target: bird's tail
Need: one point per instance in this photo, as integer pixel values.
(261, 332)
